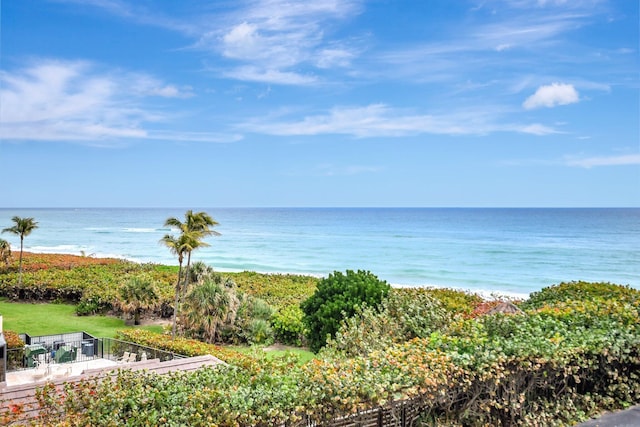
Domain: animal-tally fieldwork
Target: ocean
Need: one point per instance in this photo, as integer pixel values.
(504, 251)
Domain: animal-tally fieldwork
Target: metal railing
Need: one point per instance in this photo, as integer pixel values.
(79, 347)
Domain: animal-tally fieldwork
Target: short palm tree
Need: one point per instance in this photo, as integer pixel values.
(137, 294)
(207, 307)
(22, 227)
(5, 252)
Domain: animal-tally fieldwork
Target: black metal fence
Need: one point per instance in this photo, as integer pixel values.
(114, 349)
(78, 347)
(399, 413)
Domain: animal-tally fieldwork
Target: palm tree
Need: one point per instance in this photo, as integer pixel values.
(5, 252)
(177, 246)
(198, 226)
(137, 294)
(23, 227)
(207, 307)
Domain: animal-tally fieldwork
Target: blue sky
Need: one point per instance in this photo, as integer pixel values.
(319, 103)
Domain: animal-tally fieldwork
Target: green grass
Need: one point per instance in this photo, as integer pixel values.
(45, 319)
(301, 354)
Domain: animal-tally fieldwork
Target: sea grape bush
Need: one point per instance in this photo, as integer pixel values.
(338, 296)
(405, 314)
(288, 326)
(582, 291)
(278, 290)
(93, 282)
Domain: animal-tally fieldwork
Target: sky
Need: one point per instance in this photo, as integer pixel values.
(354, 103)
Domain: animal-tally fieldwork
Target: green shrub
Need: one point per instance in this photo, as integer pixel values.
(258, 331)
(454, 300)
(288, 326)
(278, 290)
(405, 314)
(337, 297)
(582, 291)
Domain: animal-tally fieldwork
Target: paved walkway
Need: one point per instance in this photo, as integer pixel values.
(626, 418)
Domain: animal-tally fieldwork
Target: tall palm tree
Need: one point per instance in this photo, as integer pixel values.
(5, 252)
(23, 227)
(178, 246)
(198, 226)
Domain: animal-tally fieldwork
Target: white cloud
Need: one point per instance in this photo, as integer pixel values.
(75, 101)
(537, 129)
(257, 74)
(270, 37)
(589, 162)
(380, 120)
(551, 96)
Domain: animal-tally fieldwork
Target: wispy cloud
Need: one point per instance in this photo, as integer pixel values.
(76, 101)
(552, 95)
(269, 40)
(380, 120)
(590, 162)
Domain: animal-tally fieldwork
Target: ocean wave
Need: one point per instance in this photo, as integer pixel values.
(65, 249)
(486, 294)
(141, 230)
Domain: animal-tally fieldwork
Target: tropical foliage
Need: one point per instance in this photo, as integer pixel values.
(547, 366)
(137, 294)
(5, 252)
(22, 227)
(193, 230)
(288, 325)
(337, 297)
(216, 311)
(573, 352)
(405, 314)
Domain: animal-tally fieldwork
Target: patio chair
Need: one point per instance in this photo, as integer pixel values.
(124, 358)
(62, 371)
(41, 372)
(133, 357)
(143, 356)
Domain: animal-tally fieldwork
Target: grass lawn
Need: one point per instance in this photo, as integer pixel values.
(301, 354)
(45, 319)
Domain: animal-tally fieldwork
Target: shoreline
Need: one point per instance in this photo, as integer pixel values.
(486, 294)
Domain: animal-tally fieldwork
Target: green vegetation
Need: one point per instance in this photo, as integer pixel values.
(43, 319)
(404, 315)
(5, 252)
(550, 365)
(193, 230)
(22, 227)
(137, 294)
(338, 297)
(572, 352)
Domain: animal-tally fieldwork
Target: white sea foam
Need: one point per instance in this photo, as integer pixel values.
(141, 230)
(486, 294)
(57, 249)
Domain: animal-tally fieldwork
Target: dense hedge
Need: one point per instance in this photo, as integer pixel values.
(552, 365)
(92, 283)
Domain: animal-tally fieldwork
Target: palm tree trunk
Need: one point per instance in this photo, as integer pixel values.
(175, 307)
(20, 264)
(187, 277)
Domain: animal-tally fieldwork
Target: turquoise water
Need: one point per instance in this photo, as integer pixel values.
(515, 251)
